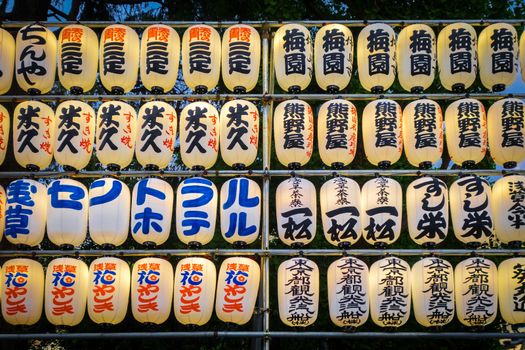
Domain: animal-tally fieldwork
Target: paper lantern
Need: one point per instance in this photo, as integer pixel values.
(199, 135)
(22, 291)
(506, 132)
(348, 298)
(241, 58)
(237, 288)
(26, 211)
(75, 134)
(423, 133)
(510, 290)
(66, 290)
(240, 211)
(67, 213)
(159, 58)
(470, 210)
(151, 290)
(498, 56)
(119, 58)
(33, 135)
(382, 132)
(298, 292)
(201, 58)
(293, 129)
(508, 204)
(427, 211)
(476, 291)
(466, 132)
(337, 132)
(196, 211)
(116, 134)
(522, 56)
(416, 57)
(4, 131)
(457, 60)
(376, 57)
(340, 200)
(239, 133)
(156, 136)
(108, 290)
(296, 209)
(334, 55)
(77, 58)
(432, 281)
(293, 57)
(3, 204)
(7, 60)
(109, 208)
(194, 290)
(36, 57)
(381, 211)
(389, 288)
(151, 208)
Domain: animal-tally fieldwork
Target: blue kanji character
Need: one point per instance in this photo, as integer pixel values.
(195, 220)
(18, 280)
(76, 194)
(66, 279)
(150, 277)
(239, 219)
(243, 229)
(146, 220)
(205, 191)
(114, 192)
(102, 277)
(143, 190)
(194, 278)
(19, 192)
(239, 277)
(17, 221)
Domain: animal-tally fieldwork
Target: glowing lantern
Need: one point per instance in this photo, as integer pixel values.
(348, 297)
(427, 211)
(381, 211)
(476, 291)
(116, 134)
(152, 205)
(237, 288)
(75, 134)
(33, 134)
(296, 211)
(151, 290)
(522, 56)
(36, 57)
(194, 290)
(22, 291)
(201, 58)
(432, 281)
(26, 211)
(416, 57)
(293, 57)
(4, 131)
(506, 132)
(298, 292)
(196, 211)
(239, 133)
(65, 293)
(508, 200)
(7, 60)
(334, 55)
(510, 290)
(3, 203)
(199, 135)
(498, 56)
(466, 132)
(157, 123)
(67, 212)
(293, 128)
(340, 200)
(108, 290)
(241, 58)
(423, 133)
(337, 132)
(457, 61)
(159, 58)
(382, 132)
(470, 210)
(376, 57)
(77, 58)
(109, 208)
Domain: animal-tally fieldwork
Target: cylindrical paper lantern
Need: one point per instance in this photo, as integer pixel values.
(5, 126)
(522, 56)
(3, 204)
(508, 207)
(511, 275)
(7, 60)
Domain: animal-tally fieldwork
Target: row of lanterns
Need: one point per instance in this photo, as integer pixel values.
(348, 213)
(32, 58)
(119, 133)
(384, 292)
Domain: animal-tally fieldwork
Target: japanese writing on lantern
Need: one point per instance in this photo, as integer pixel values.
(293, 126)
(108, 126)
(381, 227)
(157, 55)
(200, 52)
(239, 58)
(425, 125)
(147, 219)
(511, 124)
(334, 47)
(113, 51)
(236, 278)
(29, 128)
(421, 52)
(386, 120)
(432, 223)
(16, 278)
(294, 228)
(378, 44)
(478, 222)
(502, 44)
(300, 305)
(479, 297)
(353, 300)
(516, 213)
(103, 289)
(64, 278)
(114, 191)
(238, 193)
(237, 126)
(152, 129)
(437, 284)
(190, 290)
(518, 297)
(33, 54)
(69, 129)
(197, 130)
(469, 124)
(3, 133)
(19, 208)
(294, 45)
(148, 289)
(64, 195)
(337, 125)
(71, 57)
(393, 292)
(340, 229)
(195, 214)
(461, 45)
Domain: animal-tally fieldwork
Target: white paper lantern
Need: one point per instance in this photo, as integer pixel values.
(5, 126)
(508, 204)
(522, 56)
(510, 290)
(7, 60)
(3, 204)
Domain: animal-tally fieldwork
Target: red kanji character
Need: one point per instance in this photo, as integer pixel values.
(168, 143)
(46, 146)
(126, 140)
